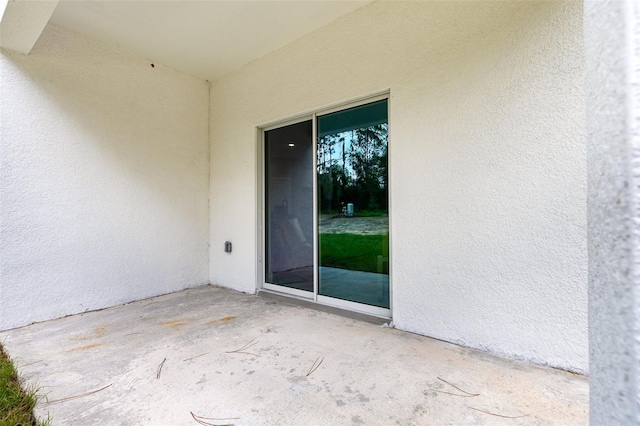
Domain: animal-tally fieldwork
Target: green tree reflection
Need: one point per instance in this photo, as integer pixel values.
(352, 168)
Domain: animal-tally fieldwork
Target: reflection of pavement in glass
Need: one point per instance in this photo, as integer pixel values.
(357, 286)
(369, 288)
(300, 278)
(376, 225)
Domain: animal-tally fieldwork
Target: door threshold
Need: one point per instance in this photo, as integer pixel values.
(298, 301)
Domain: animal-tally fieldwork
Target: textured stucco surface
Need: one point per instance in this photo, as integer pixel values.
(104, 171)
(487, 163)
(612, 43)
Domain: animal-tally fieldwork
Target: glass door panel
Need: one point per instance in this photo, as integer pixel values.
(353, 221)
(289, 206)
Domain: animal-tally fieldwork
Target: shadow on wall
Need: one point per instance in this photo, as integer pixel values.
(117, 121)
(105, 174)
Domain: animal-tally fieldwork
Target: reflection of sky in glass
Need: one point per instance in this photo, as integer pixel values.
(328, 157)
(331, 155)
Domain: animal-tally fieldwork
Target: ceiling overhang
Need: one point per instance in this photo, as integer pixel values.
(22, 23)
(206, 39)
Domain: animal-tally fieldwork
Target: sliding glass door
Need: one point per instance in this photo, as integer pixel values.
(353, 225)
(326, 208)
(289, 206)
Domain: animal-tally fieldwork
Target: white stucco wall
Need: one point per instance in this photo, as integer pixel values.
(612, 50)
(487, 163)
(105, 179)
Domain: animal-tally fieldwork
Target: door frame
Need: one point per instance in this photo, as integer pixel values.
(261, 183)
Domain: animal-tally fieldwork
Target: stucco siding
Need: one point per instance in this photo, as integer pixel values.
(105, 179)
(612, 46)
(487, 164)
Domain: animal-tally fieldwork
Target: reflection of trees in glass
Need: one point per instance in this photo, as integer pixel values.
(352, 168)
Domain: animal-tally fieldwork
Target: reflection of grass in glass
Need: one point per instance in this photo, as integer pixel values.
(354, 251)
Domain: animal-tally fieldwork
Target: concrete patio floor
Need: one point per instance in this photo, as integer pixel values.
(247, 360)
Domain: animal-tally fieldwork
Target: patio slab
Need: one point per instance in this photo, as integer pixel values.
(247, 360)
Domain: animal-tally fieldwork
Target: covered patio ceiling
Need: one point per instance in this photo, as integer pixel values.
(206, 39)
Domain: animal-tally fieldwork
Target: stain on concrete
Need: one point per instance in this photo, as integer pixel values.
(98, 332)
(357, 420)
(220, 320)
(84, 348)
(354, 393)
(297, 379)
(340, 403)
(434, 385)
(176, 324)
